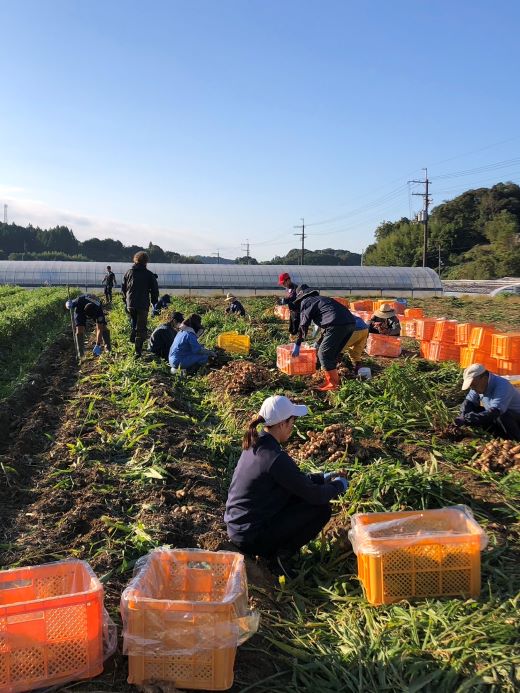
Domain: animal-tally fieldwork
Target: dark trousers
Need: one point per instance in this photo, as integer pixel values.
(138, 321)
(108, 294)
(332, 343)
(506, 426)
(294, 321)
(288, 530)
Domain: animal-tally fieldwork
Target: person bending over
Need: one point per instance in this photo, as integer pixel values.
(234, 307)
(273, 508)
(492, 403)
(162, 303)
(186, 352)
(89, 307)
(162, 337)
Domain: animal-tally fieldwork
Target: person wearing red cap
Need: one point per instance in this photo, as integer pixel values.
(294, 312)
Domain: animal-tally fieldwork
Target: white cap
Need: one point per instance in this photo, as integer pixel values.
(471, 373)
(276, 409)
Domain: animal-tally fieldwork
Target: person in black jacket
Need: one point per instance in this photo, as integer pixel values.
(139, 288)
(235, 307)
(273, 508)
(86, 307)
(385, 321)
(109, 281)
(162, 337)
(337, 324)
(294, 310)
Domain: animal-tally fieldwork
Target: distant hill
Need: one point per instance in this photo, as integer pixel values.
(328, 256)
(476, 235)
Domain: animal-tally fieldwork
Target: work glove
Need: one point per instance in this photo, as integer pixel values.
(342, 481)
(484, 418)
(68, 304)
(97, 350)
(296, 349)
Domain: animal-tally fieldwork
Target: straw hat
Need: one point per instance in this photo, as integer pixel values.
(230, 297)
(385, 311)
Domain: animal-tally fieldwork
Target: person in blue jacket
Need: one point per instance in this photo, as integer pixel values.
(186, 352)
(86, 307)
(492, 403)
(273, 508)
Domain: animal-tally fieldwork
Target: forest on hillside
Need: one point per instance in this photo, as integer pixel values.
(476, 236)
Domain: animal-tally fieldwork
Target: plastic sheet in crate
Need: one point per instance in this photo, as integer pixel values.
(282, 312)
(445, 331)
(407, 327)
(234, 343)
(304, 364)
(53, 627)
(506, 346)
(440, 351)
(381, 345)
(184, 614)
(418, 554)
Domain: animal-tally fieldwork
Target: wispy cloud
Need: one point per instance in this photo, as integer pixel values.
(23, 210)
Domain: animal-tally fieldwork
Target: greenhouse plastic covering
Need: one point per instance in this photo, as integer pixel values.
(225, 277)
(185, 602)
(379, 533)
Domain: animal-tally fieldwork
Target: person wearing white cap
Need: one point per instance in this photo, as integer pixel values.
(234, 307)
(273, 508)
(492, 403)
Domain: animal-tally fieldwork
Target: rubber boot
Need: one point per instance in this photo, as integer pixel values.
(81, 345)
(139, 347)
(331, 381)
(107, 340)
(132, 336)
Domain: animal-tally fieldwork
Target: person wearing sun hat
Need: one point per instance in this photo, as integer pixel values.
(492, 403)
(385, 321)
(337, 324)
(234, 307)
(294, 312)
(273, 508)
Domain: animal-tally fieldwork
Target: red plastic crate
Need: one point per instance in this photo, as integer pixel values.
(414, 313)
(441, 351)
(381, 345)
(304, 364)
(445, 331)
(506, 346)
(51, 625)
(424, 349)
(424, 328)
(362, 305)
(505, 367)
(282, 312)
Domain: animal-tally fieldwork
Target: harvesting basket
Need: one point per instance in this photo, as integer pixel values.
(463, 332)
(445, 331)
(381, 345)
(407, 327)
(234, 343)
(51, 625)
(480, 338)
(184, 614)
(414, 313)
(282, 312)
(304, 364)
(418, 554)
(469, 356)
(441, 351)
(424, 328)
(506, 346)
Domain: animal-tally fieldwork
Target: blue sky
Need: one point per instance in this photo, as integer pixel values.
(200, 124)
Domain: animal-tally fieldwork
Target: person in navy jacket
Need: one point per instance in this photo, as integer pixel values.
(86, 307)
(273, 508)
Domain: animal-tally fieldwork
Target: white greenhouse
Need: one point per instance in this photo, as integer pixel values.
(259, 280)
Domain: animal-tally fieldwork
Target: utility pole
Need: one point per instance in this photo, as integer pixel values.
(245, 246)
(440, 263)
(217, 255)
(362, 254)
(424, 216)
(5, 214)
(302, 234)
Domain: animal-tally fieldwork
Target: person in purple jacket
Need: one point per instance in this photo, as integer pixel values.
(273, 508)
(186, 352)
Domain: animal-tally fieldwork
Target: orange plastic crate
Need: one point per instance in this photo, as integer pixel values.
(304, 364)
(480, 338)
(505, 367)
(441, 351)
(407, 327)
(282, 312)
(343, 301)
(362, 305)
(381, 345)
(463, 331)
(234, 343)
(418, 554)
(506, 346)
(424, 328)
(424, 349)
(445, 331)
(469, 356)
(51, 625)
(179, 614)
(414, 313)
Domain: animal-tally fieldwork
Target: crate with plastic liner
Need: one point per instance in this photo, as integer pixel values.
(184, 614)
(418, 554)
(381, 345)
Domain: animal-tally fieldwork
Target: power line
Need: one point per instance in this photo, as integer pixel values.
(245, 246)
(302, 234)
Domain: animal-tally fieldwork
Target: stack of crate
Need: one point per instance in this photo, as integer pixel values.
(477, 348)
(442, 345)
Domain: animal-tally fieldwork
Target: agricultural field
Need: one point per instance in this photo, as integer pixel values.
(117, 456)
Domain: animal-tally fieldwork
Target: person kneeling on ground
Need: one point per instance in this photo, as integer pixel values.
(162, 337)
(235, 307)
(357, 342)
(186, 352)
(337, 324)
(492, 403)
(385, 321)
(87, 306)
(273, 508)
(163, 302)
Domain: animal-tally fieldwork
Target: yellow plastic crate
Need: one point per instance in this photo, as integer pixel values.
(418, 554)
(234, 343)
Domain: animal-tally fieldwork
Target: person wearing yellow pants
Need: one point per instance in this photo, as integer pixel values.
(357, 342)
